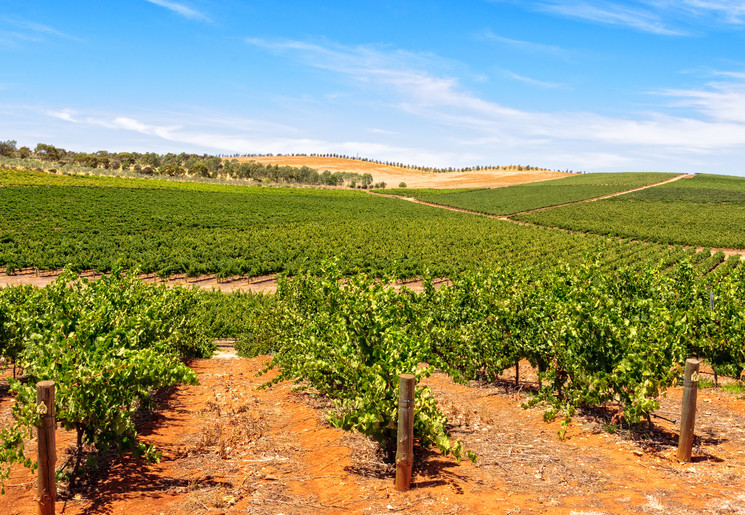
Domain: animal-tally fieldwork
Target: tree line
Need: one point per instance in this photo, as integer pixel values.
(191, 164)
(477, 168)
(185, 165)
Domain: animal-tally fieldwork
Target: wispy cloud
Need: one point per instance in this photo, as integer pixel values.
(198, 131)
(532, 81)
(722, 100)
(437, 120)
(67, 115)
(181, 9)
(613, 13)
(384, 131)
(29, 32)
(727, 11)
(526, 46)
(662, 17)
(444, 101)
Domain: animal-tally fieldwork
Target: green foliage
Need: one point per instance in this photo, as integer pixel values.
(737, 387)
(8, 148)
(172, 228)
(524, 197)
(351, 341)
(106, 344)
(702, 211)
(11, 342)
(231, 315)
(596, 336)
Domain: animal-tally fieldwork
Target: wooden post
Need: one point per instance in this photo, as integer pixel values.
(47, 487)
(517, 374)
(688, 414)
(405, 443)
(540, 381)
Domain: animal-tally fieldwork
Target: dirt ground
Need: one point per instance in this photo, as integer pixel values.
(261, 284)
(229, 447)
(394, 175)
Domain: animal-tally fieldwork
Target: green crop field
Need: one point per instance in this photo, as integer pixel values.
(524, 197)
(602, 320)
(706, 210)
(168, 228)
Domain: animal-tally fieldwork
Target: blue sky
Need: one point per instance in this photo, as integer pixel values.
(647, 85)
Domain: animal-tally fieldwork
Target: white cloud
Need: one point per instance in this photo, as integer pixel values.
(180, 9)
(717, 123)
(30, 32)
(65, 114)
(532, 81)
(383, 131)
(436, 120)
(661, 17)
(730, 11)
(527, 46)
(612, 13)
(721, 101)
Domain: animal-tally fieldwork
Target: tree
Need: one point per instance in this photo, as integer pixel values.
(8, 148)
(47, 152)
(126, 159)
(200, 169)
(151, 159)
(171, 170)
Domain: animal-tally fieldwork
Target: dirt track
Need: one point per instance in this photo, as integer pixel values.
(231, 448)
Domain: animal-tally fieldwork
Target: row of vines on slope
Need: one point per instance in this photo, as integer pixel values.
(163, 228)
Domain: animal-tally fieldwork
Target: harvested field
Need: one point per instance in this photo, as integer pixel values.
(394, 175)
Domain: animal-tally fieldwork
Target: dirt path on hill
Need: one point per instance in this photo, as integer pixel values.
(508, 218)
(603, 197)
(231, 448)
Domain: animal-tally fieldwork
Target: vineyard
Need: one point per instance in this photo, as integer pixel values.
(707, 210)
(524, 197)
(167, 228)
(602, 325)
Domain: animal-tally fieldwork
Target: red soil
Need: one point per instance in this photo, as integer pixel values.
(230, 448)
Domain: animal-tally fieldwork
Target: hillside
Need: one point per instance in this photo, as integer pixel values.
(394, 175)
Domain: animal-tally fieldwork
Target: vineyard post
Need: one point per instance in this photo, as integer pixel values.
(46, 488)
(405, 440)
(688, 415)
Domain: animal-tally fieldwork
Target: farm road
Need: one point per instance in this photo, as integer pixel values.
(507, 218)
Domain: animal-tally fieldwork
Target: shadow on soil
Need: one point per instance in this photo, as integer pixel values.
(116, 477)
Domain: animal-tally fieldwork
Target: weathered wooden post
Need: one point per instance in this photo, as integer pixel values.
(47, 487)
(405, 440)
(688, 414)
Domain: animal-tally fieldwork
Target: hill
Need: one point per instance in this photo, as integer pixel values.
(394, 175)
